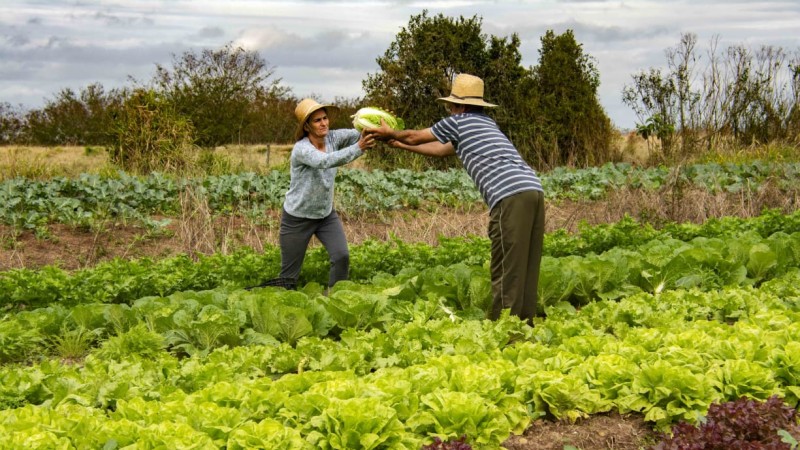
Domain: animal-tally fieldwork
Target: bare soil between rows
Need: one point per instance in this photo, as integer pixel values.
(199, 232)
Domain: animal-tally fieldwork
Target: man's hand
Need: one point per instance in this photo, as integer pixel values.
(397, 144)
(407, 137)
(382, 133)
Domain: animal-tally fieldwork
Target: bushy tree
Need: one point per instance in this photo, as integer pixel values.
(551, 112)
(220, 91)
(277, 122)
(271, 119)
(739, 95)
(575, 128)
(652, 96)
(420, 64)
(72, 118)
(60, 121)
(12, 124)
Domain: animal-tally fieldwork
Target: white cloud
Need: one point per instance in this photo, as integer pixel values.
(265, 39)
(328, 47)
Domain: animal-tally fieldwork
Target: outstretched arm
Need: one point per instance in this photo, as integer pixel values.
(434, 148)
(409, 137)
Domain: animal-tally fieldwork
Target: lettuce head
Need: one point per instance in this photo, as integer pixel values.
(370, 117)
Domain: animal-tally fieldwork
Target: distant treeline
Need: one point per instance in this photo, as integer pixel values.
(700, 100)
(550, 111)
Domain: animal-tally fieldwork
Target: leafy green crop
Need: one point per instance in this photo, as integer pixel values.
(668, 356)
(90, 201)
(655, 325)
(371, 116)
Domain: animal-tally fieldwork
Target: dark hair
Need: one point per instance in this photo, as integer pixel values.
(473, 108)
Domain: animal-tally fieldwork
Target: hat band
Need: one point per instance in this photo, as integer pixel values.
(479, 97)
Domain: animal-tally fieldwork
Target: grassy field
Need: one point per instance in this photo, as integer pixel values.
(70, 161)
(47, 162)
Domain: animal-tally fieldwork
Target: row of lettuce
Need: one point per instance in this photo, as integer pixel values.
(601, 261)
(82, 201)
(288, 371)
(197, 322)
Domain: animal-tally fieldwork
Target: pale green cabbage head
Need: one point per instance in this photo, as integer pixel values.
(370, 117)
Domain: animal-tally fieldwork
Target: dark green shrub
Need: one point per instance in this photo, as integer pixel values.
(151, 136)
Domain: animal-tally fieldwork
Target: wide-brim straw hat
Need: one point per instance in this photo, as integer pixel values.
(467, 90)
(303, 111)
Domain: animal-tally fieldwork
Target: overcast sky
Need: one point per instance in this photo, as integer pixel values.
(326, 48)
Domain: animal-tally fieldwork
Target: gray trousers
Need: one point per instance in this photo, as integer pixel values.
(295, 235)
(516, 231)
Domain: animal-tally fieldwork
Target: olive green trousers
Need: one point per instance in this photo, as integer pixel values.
(516, 231)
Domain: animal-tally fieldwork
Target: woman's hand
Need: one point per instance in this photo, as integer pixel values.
(366, 141)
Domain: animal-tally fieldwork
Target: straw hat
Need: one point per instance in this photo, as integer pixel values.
(304, 109)
(467, 90)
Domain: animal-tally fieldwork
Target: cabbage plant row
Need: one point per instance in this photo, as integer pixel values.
(414, 372)
(82, 201)
(706, 264)
(668, 251)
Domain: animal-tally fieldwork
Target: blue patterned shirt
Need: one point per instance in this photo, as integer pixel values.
(313, 172)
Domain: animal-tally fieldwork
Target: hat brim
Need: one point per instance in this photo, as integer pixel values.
(466, 101)
(317, 108)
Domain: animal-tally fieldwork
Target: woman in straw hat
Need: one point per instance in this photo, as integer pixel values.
(308, 207)
(509, 186)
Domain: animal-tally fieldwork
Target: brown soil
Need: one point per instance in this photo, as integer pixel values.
(198, 232)
(598, 432)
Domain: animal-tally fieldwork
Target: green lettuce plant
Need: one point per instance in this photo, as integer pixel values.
(371, 116)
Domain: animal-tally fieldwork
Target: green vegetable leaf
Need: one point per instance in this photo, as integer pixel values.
(370, 117)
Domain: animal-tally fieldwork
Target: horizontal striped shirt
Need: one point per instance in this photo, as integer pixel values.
(489, 157)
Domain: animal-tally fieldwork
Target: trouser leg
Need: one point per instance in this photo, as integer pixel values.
(531, 295)
(513, 254)
(295, 234)
(331, 234)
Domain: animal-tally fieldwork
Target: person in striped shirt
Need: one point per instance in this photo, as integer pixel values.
(509, 186)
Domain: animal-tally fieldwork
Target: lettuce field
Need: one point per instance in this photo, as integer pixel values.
(175, 353)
